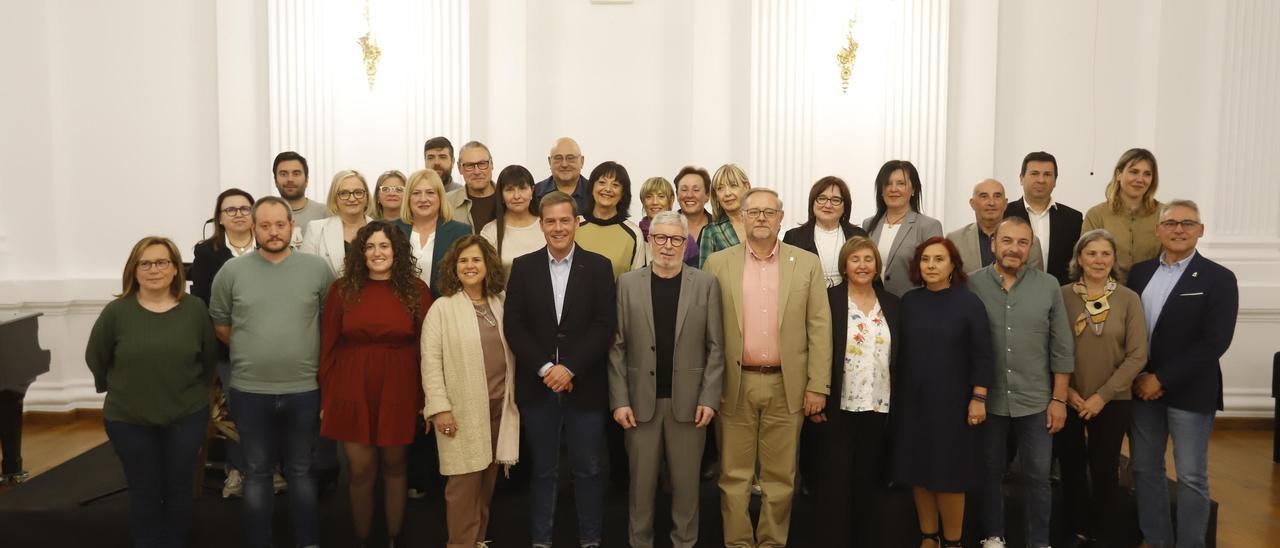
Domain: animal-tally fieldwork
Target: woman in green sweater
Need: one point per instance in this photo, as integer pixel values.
(153, 352)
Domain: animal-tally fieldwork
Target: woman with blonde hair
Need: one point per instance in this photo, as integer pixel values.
(429, 224)
(728, 186)
(468, 376)
(1131, 211)
(349, 207)
(153, 351)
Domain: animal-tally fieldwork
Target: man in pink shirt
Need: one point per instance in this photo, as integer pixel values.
(777, 352)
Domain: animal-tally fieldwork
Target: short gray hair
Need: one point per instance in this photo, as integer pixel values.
(1179, 203)
(1075, 271)
(758, 190)
(671, 218)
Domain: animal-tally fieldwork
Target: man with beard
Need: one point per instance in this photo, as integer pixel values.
(974, 239)
(476, 203)
(1032, 342)
(566, 161)
(266, 307)
(438, 153)
(291, 173)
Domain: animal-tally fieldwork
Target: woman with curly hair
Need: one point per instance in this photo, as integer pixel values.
(468, 374)
(369, 359)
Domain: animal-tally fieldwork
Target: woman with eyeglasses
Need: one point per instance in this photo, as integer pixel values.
(153, 351)
(427, 220)
(515, 231)
(349, 207)
(828, 227)
(232, 237)
(606, 229)
(728, 186)
(388, 195)
(1131, 210)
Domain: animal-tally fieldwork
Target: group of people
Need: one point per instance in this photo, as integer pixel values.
(512, 315)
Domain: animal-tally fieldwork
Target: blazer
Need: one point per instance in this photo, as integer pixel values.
(460, 201)
(698, 365)
(1193, 331)
(205, 263)
(804, 323)
(581, 338)
(916, 228)
(802, 236)
(454, 380)
(446, 234)
(1064, 231)
(967, 242)
(324, 237)
(838, 299)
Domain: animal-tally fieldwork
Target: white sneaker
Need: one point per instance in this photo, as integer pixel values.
(279, 484)
(993, 542)
(233, 486)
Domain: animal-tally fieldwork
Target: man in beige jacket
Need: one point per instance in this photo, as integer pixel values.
(777, 335)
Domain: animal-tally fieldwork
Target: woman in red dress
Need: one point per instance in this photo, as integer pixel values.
(369, 377)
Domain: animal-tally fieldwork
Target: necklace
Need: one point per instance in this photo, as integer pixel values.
(241, 249)
(485, 314)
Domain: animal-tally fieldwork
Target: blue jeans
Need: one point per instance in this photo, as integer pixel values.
(159, 462)
(1035, 452)
(583, 432)
(234, 455)
(1153, 423)
(267, 423)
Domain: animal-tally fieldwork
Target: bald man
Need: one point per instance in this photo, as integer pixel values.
(974, 239)
(565, 161)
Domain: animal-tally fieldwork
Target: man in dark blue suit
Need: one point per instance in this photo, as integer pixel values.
(561, 314)
(1190, 304)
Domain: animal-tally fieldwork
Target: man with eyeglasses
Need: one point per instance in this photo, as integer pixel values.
(291, 174)
(974, 239)
(777, 368)
(1190, 304)
(438, 154)
(266, 307)
(665, 377)
(476, 203)
(566, 161)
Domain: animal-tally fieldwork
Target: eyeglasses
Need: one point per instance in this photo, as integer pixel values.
(560, 158)
(833, 200)
(663, 239)
(242, 211)
(358, 194)
(769, 213)
(473, 166)
(1173, 225)
(387, 189)
(161, 264)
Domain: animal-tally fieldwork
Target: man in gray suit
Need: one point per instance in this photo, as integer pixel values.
(665, 370)
(974, 239)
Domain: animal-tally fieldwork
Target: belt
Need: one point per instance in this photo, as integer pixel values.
(763, 369)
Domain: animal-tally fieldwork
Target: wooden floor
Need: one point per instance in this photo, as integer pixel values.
(1242, 477)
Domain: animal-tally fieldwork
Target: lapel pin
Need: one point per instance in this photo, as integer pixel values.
(1194, 274)
(792, 259)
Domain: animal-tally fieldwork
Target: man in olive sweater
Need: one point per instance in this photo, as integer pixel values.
(266, 307)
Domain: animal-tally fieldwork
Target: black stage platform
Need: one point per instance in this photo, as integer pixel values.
(45, 513)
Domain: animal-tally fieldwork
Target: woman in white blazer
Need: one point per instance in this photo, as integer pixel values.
(349, 208)
(468, 377)
(898, 227)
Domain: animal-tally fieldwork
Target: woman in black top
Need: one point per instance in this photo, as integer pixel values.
(829, 207)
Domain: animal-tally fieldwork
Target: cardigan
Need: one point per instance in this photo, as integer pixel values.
(453, 379)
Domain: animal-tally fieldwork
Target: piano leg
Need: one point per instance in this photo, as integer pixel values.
(11, 436)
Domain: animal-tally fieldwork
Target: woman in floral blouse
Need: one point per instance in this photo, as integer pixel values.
(851, 431)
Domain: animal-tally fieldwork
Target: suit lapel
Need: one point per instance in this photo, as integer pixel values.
(907, 224)
(646, 300)
(333, 242)
(1188, 278)
(682, 306)
(737, 258)
(786, 270)
(541, 287)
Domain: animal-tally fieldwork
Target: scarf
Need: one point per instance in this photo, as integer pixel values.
(1095, 310)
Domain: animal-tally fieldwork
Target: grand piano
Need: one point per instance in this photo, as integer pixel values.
(21, 361)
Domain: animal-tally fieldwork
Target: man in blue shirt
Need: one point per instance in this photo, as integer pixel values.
(566, 161)
(1191, 305)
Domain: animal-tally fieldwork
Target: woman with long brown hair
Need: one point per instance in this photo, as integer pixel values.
(1131, 211)
(369, 359)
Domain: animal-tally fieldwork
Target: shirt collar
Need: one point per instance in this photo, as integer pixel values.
(995, 273)
(773, 255)
(1052, 205)
(1178, 265)
(568, 259)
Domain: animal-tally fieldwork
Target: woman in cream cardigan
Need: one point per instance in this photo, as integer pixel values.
(468, 376)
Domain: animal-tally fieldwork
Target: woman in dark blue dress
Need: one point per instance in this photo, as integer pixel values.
(944, 368)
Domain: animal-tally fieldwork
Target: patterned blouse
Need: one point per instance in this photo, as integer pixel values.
(866, 362)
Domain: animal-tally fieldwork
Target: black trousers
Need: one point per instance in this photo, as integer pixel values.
(1089, 455)
(11, 430)
(851, 454)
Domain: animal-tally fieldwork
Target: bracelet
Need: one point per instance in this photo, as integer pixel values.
(979, 397)
(1061, 401)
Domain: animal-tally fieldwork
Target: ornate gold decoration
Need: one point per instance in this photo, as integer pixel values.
(847, 56)
(369, 48)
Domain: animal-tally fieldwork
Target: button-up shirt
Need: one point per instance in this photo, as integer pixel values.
(1031, 338)
(1158, 289)
(559, 284)
(1040, 227)
(581, 192)
(760, 308)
